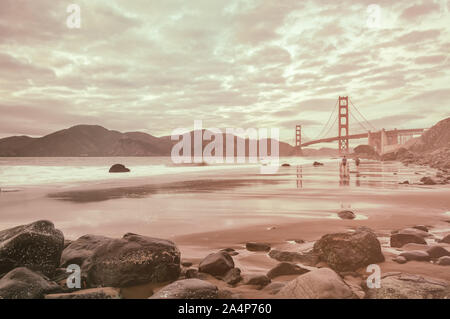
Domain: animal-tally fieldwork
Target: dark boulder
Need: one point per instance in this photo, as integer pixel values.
(421, 227)
(187, 289)
(119, 168)
(444, 261)
(216, 264)
(309, 258)
(285, 165)
(400, 260)
(22, 283)
(317, 164)
(285, 268)
(349, 251)
(233, 276)
(81, 249)
(400, 239)
(37, 246)
(346, 214)
(132, 260)
(437, 252)
(427, 181)
(446, 239)
(256, 280)
(252, 246)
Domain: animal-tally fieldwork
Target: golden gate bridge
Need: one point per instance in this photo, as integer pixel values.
(382, 140)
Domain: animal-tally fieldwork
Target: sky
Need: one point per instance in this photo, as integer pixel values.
(154, 66)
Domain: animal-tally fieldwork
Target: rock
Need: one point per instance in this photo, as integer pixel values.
(81, 249)
(233, 276)
(349, 251)
(217, 264)
(230, 251)
(252, 246)
(297, 241)
(414, 231)
(444, 261)
(317, 164)
(400, 259)
(187, 289)
(406, 286)
(354, 282)
(285, 165)
(132, 260)
(309, 259)
(427, 181)
(346, 214)
(321, 283)
(67, 242)
(437, 252)
(446, 239)
(274, 287)
(256, 280)
(22, 283)
(416, 255)
(285, 268)
(191, 273)
(404, 183)
(186, 263)
(421, 227)
(118, 168)
(37, 246)
(400, 239)
(93, 293)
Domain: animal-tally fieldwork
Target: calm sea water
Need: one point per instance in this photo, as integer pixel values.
(21, 171)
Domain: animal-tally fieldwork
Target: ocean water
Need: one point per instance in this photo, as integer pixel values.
(22, 171)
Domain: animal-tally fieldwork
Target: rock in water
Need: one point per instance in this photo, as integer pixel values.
(416, 255)
(317, 164)
(437, 252)
(251, 246)
(444, 261)
(285, 165)
(400, 260)
(81, 249)
(233, 276)
(256, 280)
(309, 258)
(446, 239)
(399, 239)
(284, 268)
(132, 260)
(37, 246)
(427, 181)
(187, 289)
(346, 214)
(349, 251)
(119, 168)
(94, 293)
(406, 286)
(22, 283)
(216, 264)
(322, 283)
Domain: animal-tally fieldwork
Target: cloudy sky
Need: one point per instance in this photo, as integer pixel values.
(155, 66)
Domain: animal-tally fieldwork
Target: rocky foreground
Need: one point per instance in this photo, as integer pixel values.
(34, 260)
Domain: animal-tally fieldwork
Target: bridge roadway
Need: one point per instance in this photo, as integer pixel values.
(363, 135)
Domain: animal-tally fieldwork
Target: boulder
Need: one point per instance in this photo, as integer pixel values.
(437, 252)
(216, 264)
(81, 249)
(191, 273)
(400, 260)
(252, 246)
(400, 239)
(233, 276)
(414, 231)
(346, 214)
(421, 227)
(22, 283)
(427, 181)
(285, 268)
(37, 246)
(285, 165)
(187, 289)
(321, 283)
(274, 287)
(446, 239)
(317, 164)
(398, 285)
(132, 260)
(118, 168)
(444, 261)
(417, 255)
(256, 280)
(93, 293)
(349, 251)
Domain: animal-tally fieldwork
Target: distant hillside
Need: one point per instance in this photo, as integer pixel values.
(95, 140)
(436, 137)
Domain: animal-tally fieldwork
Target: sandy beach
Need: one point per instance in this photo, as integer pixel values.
(212, 209)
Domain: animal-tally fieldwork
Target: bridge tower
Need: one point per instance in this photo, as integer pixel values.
(298, 139)
(343, 124)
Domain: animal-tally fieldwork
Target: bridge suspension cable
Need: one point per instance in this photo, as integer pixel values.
(328, 122)
(362, 116)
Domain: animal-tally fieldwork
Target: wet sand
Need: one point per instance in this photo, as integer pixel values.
(204, 212)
